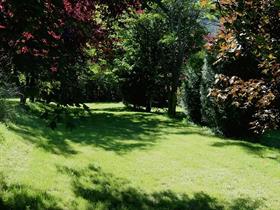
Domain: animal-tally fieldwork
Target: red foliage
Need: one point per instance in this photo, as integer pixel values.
(55, 27)
(250, 28)
(24, 50)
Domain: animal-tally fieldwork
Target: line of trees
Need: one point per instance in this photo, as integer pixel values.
(221, 56)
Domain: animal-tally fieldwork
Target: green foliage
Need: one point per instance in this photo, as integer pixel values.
(156, 46)
(96, 83)
(207, 103)
(7, 89)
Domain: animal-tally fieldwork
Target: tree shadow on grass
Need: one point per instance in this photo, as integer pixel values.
(271, 139)
(112, 129)
(104, 191)
(120, 132)
(21, 197)
(253, 148)
(34, 130)
(118, 109)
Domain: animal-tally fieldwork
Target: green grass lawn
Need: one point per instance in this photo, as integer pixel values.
(119, 159)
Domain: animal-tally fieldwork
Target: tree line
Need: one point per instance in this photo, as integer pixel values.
(219, 58)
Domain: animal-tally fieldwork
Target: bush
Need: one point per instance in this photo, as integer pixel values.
(224, 118)
(6, 109)
(247, 50)
(207, 103)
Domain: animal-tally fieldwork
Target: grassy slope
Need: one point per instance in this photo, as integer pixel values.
(127, 160)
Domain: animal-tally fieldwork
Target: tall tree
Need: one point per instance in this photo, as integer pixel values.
(184, 21)
(163, 38)
(142, 78)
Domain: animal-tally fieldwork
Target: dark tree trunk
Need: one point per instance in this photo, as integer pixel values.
(24, 91)
(32, 99)
(32, 88)
(172, 101)
(22, 99)
(172, 105)
(149, 106)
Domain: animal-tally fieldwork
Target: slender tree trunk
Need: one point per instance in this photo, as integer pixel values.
(32, 89)
(172, 104)
(176, 71)
(22, 99)
(178, 57)
(23, 92)
(32, 99)
(149, 105)
(172, 101)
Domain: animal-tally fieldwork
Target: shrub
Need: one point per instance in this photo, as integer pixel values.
(5, 110)
(224, 118)
(207, 103)
(247, 52)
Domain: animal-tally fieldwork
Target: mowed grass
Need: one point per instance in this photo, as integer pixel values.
(120, 159)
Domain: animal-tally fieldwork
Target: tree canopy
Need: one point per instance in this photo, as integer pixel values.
(47, 39)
